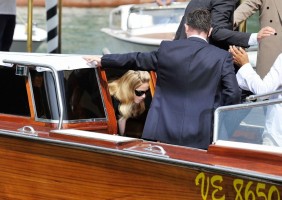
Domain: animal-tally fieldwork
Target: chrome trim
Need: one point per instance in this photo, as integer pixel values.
(254, 97)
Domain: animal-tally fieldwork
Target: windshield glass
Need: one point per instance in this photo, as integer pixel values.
(257, 123)
(154, 17)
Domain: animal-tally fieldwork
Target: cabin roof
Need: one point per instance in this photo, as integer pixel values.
(59, 62)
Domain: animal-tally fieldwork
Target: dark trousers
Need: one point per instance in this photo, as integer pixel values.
(7, 28)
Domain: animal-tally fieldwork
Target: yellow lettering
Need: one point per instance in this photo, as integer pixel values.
(238, 185)
(271, 191)
(215, 179)
(261, 186)
(204, 191)
(249, 194)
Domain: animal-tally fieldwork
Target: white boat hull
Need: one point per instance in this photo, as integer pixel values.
(20, 38)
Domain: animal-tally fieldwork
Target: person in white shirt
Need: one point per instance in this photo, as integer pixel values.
(7, 23)
(248, 79)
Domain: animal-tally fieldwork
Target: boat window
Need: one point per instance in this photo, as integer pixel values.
(256, 123)
(83, 95)
(14, 98)
(115, 20)
(140, 18)
(134, 126)
(44, 95)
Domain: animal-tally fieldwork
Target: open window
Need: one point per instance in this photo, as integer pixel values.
(14, 100)
(83, 98)
(134, 126)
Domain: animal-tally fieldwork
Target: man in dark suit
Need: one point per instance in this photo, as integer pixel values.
(192, 76)
(222, 23)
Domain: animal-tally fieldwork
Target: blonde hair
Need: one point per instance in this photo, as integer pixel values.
(123, 90)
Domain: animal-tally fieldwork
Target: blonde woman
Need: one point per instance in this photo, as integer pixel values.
(128, 94)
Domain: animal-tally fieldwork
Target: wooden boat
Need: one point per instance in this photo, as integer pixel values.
(20, 38)
(58, 141)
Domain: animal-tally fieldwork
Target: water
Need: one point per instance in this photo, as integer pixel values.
(81, 30)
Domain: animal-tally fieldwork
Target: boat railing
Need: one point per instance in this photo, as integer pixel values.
(255, 97)
(247, 124)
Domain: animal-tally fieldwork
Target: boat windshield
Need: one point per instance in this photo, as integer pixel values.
(255, 124)
(145, 18)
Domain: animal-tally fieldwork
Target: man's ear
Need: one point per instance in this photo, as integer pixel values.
(209, 34)
(186, 28)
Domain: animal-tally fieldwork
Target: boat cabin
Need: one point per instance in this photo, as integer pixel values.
(56, 116)
(146, 16)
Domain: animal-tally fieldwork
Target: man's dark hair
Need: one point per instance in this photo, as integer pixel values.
(199, 19)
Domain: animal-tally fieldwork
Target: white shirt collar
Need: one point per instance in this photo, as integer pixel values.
(198, 36)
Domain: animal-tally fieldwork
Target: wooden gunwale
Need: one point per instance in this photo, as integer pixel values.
(209, 161)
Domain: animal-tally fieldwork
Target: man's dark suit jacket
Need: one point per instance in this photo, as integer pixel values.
(191, 75)
(222, 23)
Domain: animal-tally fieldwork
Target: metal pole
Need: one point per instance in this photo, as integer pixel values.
(60, 27)
(52, 25)
(243, 25)
(29, 26)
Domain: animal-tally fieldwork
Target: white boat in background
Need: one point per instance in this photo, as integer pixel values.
(142, 27)
(20, 38)
(145, 24)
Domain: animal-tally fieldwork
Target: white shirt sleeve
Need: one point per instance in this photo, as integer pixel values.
(253, 39)
(248, 79)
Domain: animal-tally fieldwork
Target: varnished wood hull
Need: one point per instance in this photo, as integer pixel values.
(34, 168)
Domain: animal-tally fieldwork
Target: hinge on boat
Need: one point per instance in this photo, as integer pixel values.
(28, 130)
(153, 150)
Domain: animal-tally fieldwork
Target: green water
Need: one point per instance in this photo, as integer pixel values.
(81, 30)
(252, 23)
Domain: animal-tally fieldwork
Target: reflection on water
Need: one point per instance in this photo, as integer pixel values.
(81, 30)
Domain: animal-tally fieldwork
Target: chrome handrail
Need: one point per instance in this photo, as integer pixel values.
(254, 97)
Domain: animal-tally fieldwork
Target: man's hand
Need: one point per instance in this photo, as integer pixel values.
(265, 32)
(96, 60)
(240, 56)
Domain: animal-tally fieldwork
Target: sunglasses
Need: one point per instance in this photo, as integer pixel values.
(140, 93)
